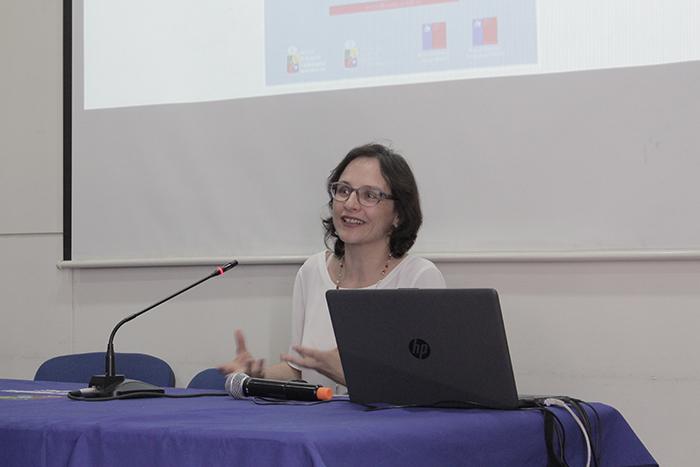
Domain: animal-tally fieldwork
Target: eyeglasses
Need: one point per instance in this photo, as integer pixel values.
(366, 195)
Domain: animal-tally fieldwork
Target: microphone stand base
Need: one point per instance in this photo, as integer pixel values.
(104, 381)
(118, 385)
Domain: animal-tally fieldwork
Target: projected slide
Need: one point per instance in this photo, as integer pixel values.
(136, 52)
(178, 51)
(329, 40)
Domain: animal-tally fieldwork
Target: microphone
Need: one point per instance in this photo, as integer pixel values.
(112, 384)
(241, 386)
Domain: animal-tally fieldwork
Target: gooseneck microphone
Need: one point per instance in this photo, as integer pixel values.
(110, 383)
(242, 386)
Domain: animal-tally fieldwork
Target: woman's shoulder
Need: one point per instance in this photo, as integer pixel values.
(418, 263)
(320, 256)
(314, 264)
(416, 271)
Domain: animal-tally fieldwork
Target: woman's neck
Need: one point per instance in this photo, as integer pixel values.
(364, 265)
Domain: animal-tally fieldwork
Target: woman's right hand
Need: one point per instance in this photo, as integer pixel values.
(243, 362)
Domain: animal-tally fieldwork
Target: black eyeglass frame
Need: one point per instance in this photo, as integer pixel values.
(332, 189)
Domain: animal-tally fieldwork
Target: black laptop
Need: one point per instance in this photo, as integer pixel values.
(424, 347)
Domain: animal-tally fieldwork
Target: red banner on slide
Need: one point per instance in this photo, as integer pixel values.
(366, 7)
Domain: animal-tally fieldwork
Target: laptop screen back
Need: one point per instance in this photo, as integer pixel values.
(444, 347)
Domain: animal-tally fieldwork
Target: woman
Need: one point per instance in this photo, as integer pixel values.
(374, 220)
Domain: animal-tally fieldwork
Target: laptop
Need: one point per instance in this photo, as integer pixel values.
(423, 347)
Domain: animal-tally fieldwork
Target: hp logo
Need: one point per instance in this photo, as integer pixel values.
(419, 348)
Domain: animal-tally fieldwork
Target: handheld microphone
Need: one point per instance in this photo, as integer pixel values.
(241, 386)
(112, 384)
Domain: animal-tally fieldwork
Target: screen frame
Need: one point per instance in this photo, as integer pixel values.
(67, 127)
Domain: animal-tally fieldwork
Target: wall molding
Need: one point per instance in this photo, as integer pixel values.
(467, 257)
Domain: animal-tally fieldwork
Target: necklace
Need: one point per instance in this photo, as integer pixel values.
(341, 272)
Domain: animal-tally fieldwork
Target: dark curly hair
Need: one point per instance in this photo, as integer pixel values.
(402, 185)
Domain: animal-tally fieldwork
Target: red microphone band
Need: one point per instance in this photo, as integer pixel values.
(221, 270)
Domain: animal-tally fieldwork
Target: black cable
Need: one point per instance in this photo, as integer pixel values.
(137, 395)
(585, 422)
(577, 405)
(272, 401)
(374, 408)
(561, 435)
(435, 405)
(557, 429)
(599, 430)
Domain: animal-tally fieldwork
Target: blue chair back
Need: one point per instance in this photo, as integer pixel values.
(80, 367)
(211, 378)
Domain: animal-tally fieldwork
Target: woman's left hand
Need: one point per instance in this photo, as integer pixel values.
(326, 362)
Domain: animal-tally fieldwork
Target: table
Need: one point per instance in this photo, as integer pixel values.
(51, 430)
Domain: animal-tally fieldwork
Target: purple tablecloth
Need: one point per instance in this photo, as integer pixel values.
(45, 430)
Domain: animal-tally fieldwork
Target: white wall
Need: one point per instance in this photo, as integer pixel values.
(617, 332)
(35, 297)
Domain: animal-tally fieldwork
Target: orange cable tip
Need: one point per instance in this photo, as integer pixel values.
(324, 394)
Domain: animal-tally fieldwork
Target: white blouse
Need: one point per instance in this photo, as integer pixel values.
(311, 321)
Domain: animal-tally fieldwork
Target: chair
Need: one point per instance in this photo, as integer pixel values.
(79, 368)
(211, 378)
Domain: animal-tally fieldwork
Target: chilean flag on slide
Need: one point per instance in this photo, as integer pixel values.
(485, 31)
(434, 36)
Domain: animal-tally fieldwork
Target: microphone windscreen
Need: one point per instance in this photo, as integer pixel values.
(234, 385)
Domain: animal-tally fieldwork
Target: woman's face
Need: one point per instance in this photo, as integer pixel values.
(355, 223)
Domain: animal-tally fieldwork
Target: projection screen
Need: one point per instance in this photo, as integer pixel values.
(206, 129)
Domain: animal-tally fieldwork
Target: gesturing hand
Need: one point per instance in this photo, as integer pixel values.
(326, 362)
(243, 361)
